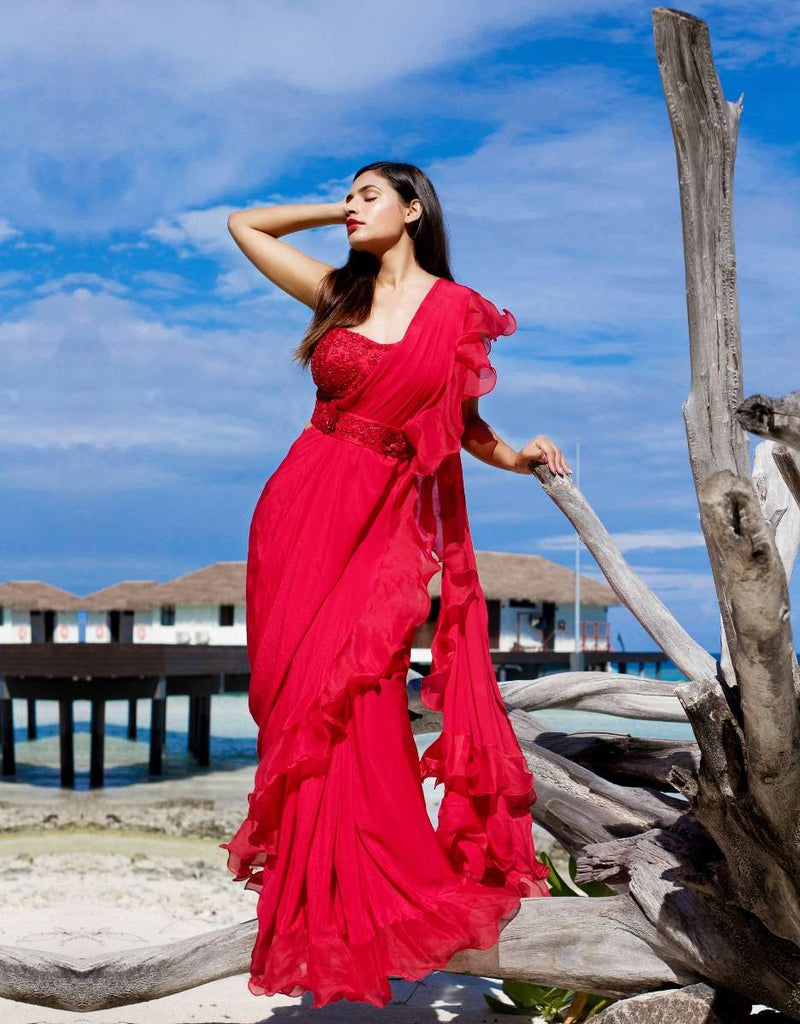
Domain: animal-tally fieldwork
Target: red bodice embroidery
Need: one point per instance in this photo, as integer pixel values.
(341, 358)
(340, 361)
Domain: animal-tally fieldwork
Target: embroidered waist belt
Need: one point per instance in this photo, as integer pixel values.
(351, 427)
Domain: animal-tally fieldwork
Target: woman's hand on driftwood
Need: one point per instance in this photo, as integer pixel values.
(538, 451)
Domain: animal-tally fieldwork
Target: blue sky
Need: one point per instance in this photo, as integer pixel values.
(148, 391)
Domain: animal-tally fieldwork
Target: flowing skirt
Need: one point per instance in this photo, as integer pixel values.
(355, 885)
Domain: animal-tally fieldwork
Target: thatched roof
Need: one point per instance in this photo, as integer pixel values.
(218, 583)
(502, 574)
(34, 595)
(128, 595)
(531, 578)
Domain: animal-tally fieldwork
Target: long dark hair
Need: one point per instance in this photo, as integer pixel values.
(345, 294)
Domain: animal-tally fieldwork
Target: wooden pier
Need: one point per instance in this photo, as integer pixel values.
(102, 672)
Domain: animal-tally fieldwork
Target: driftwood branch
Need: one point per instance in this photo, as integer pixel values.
(704, 128)
(752, 809)
(775, 473)
(83, 984)
(618, 757)
(704, 701)
(608, 693)
(553, 941)
(776, 478)
(625, 759)
(705, 132)
(788, 467)
(776, 418)
(654, 616)
(680, 885)
(744, 544)
(577, 806)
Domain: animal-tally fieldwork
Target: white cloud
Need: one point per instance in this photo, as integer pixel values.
(7, 230)
(632, 540)
(91, 376)
(195, 231)
(160, 281)
(320, 46)
(82, 281)
(682, 583)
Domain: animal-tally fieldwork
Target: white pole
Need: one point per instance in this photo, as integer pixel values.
(577, 558)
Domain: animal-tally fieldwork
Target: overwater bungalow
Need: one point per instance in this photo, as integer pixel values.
(122, 613)
(35, 612)
(202, 607)
(205, 606)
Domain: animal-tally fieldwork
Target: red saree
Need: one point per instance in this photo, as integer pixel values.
(355, 885)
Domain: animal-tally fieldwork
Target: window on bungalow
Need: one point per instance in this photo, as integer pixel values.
(226, 615)
(167, 614)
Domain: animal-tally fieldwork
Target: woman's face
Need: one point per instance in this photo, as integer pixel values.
(380, 212)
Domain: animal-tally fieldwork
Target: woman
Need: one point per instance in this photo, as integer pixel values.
(354, 883)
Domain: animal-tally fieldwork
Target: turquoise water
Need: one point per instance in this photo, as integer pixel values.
(233, 737)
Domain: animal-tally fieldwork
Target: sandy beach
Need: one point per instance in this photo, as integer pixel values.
(155, 890)
(127, 866)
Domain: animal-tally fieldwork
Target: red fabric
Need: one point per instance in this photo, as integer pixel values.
(355, 885)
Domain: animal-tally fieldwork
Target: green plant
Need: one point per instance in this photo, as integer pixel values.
(566, 1006)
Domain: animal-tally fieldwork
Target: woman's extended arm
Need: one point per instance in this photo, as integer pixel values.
(481, 441)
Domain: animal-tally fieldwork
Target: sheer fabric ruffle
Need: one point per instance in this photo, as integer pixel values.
(436, 432)
(484, 818)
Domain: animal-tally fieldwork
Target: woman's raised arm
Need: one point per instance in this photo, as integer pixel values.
(257, 231)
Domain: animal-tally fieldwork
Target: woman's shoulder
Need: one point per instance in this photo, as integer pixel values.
(466, 292)
(456, 287)
(471, 296)
(461, 297)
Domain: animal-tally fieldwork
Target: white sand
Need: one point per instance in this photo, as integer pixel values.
(79, 873)
(86, 894)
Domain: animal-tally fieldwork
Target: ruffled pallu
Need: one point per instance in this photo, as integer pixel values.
(355, 885)
(484, 819)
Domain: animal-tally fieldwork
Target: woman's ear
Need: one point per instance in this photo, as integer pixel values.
(414, 211)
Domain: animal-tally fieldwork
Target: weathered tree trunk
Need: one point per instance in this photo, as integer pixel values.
(746, 887)
(699, 841)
